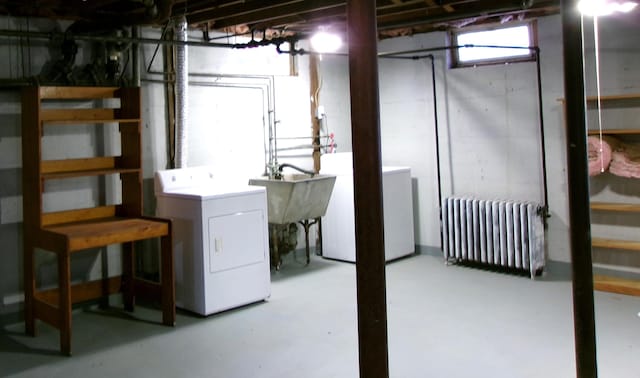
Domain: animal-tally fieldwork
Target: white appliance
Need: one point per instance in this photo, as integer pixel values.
(220, 235)
(338, 224)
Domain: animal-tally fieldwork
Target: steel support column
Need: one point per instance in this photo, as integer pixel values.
(365, 134)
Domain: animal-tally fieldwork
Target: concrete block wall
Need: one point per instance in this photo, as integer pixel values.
(488, 121)
(229, 111)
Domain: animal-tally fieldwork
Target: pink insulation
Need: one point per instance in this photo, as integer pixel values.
(625, 161)
(600, 153)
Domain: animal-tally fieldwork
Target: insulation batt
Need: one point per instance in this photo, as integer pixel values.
(600, 158)
(625, 161)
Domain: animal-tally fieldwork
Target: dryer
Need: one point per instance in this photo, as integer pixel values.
(220, 234)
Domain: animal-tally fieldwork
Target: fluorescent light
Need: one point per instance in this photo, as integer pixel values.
(324, 42)
(605, 7)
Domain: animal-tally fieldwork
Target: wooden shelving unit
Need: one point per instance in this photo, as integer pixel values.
(610, 283)
(66, 232)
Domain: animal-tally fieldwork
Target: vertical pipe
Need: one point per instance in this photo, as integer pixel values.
(365, 131)
(135, 57)
(578, 185)
(182, 83)
(542, 139)
(315, 122)
(435, 122)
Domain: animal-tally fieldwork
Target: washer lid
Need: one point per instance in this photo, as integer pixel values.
(205, 192)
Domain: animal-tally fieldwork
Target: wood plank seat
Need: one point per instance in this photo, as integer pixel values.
(66, 232)
(102, 232)
(54, 306)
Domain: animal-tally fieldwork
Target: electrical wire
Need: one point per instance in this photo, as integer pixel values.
(598, 97)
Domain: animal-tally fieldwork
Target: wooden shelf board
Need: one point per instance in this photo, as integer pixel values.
(86, 121)
(615, 132)
(616, 285)
(615, 244)
(89, 172)
(627, 96)
(613, 206)
(80, 93)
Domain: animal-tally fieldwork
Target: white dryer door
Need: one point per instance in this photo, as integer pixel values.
(236, 240)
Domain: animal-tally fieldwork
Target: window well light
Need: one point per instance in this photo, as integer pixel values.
(324, 42)
(605, 7)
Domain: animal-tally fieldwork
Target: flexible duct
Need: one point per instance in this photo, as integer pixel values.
(182, 83)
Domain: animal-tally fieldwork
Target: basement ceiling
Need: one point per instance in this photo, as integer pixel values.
(291, 17)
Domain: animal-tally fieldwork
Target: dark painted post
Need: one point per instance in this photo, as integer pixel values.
(365, 131)
(578, 186)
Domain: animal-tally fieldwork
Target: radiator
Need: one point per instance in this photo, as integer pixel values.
(508, 234)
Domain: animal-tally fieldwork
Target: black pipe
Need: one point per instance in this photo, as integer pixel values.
(578, 190)
(302, 170)
(435, 119)
(89, 37)
(545, 215)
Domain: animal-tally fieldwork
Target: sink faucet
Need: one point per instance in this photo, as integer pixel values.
(284, 165)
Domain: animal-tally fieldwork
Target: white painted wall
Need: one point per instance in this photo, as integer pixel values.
(487, 116)
(226, 126)
(488, 122)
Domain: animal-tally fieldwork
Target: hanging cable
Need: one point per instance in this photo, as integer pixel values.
(597, 57)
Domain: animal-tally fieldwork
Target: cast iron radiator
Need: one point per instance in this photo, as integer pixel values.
(507, 234)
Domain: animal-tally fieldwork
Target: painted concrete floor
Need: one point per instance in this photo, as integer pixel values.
(442, 322)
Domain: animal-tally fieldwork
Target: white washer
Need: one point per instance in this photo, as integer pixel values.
(220, 235)
(338, 224)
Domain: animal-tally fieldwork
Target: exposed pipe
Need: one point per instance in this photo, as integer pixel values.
(435, 120)
(271, 115)
(578, 191)
(135, 57)
(264, 88)
(152, 41)
(305, 171)
(542, 141)
(182, 87)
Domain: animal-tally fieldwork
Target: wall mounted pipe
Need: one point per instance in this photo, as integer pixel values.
(271, 111)
(122, 39)
(542, 140)
(135, 57)
(536, 51)
(264, 88)
(182, 97)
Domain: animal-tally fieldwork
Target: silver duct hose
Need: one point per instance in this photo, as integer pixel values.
(182, 84)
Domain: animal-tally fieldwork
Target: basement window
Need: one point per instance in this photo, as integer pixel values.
(493, 45)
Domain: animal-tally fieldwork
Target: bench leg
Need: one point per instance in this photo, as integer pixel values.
(167, 281)
(128, 267)
(64, 305)
(29, 287)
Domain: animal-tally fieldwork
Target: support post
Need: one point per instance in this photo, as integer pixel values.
(365, 131)
(578, 188)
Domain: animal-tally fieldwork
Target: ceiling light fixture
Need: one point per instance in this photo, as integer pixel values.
(598, 8)
(324, 42)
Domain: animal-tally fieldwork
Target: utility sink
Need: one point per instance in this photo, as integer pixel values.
(296, 197)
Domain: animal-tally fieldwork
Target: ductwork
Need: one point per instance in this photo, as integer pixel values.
(182, 84)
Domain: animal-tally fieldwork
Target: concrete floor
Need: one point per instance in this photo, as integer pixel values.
(443, 322)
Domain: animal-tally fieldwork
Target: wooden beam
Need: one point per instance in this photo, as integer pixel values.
(367, 167)
(578, 184)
